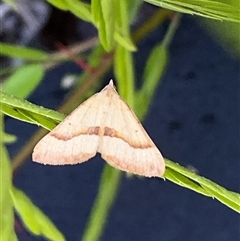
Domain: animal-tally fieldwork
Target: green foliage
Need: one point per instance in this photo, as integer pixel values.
(112, 20)
(122, 33)
(193, 181)
(124, 72)
(33, 218)
(28, 112)
(109, 186)
(61, 4)
(6, 205)
(214, 9)
(24, 80)
(21, 52)
(226, 33)
(151, 75)
(80, 9)
(104, 18)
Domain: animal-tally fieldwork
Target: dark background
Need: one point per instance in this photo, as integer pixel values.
(193, 119)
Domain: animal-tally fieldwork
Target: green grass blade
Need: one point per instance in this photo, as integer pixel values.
(122, 28)
(107, 192)
(104, 19)
(153, 72)
(24, 80)
(61, 4)
(80, 9)
(133, 9)
(204, 8)
(6, 205)
(34, 219)
(155, 66)
(108, 23)
(8, 138)
(26, 53)
(124, 72)
(183, 181)
(96, 14)
(125, 41)
(28, 112)
(229, 198)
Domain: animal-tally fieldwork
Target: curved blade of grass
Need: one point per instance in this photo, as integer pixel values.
(8, 138)
(28, 112)
(122, 29)
(125, 41)
(104, 19)
(80, 9)
(61, 4)
(124, 72)
(204, 8)
(133, 8)
(183, 181)
(34, 118)
(109, 184)
(153, 72)
(14, 51)
(6, 205)
(96, 14)
(229, 198)
(34, 219)
(230, 40)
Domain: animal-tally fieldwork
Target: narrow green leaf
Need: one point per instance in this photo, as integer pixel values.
(229, 198)
(96, 13)
(124, 72)
(26, 116)
(108, 23)
(34, 219)
(15, 102)
(28, 112)
(104, 19)
(153, 72)
(24, 80)
(230, 40)
(15, 113)
(8, 138)
(61, 4)
(133, 8)
(155, 66)
(16, 51)
(6, 205)
(122, 29)
(183, 181)
(204, 8)
(80, 9)
(34, 118)
(106, 196)
(125, 41)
